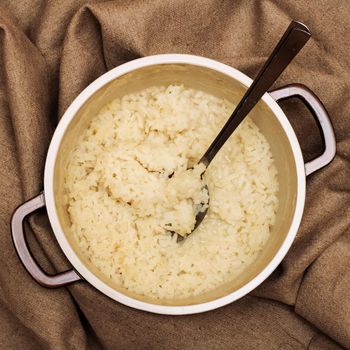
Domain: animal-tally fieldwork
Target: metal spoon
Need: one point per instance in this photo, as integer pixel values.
(292, 41)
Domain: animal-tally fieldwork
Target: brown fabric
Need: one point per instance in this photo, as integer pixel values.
(51, 50)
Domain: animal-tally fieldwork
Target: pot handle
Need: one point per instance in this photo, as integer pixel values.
(319, 112)
(22, 249)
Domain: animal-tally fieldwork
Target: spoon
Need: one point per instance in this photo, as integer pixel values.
(292, 41)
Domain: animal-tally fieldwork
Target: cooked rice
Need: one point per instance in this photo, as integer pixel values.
(122, 202)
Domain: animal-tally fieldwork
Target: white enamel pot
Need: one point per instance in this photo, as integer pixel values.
(215, 78)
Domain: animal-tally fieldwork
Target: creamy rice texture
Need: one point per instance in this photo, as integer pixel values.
(122, 202)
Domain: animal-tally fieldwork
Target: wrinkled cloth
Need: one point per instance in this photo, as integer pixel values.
(51, 50)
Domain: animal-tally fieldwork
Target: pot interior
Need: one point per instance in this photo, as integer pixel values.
(217, 84)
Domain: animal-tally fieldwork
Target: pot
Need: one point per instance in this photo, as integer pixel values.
(217, 79)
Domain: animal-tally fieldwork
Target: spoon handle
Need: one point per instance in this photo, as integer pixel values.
(292, 41)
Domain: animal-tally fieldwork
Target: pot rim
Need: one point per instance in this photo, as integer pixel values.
(50, 198)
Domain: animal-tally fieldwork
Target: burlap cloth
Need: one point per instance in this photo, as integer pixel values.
(51, 50)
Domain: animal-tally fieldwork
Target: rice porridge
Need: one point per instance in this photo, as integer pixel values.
(123, 203)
